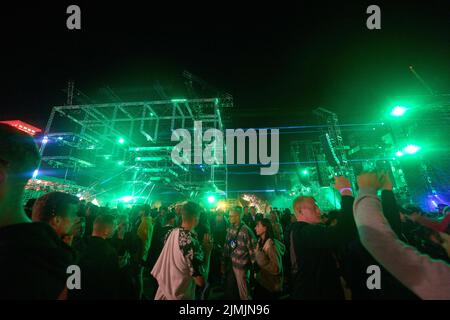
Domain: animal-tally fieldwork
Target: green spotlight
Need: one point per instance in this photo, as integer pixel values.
(211, 199)
(399, 153)
(398, 111)
(411, 149)
(126, 198)
(120, 163)
(305, 172)
(121, 140)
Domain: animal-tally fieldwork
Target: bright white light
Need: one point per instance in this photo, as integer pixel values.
(211, 199)
(95, 202)
(411, 149)
(45, 140)
(126, 198)
(399, 153)
(35, 173)
(398, 111)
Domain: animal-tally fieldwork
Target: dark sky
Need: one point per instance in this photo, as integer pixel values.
(279, 60)
(274, 57)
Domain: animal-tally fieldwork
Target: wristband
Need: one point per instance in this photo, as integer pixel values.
(345, 189)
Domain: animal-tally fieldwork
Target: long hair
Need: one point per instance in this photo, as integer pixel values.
(269, 231)
(276, 213)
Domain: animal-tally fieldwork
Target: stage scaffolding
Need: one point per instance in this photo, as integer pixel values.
(93, 140)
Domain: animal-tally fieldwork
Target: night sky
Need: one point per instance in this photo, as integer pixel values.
(278, 60)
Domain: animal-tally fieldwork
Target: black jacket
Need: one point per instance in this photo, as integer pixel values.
(99, 264)
(318, 276)
(33, 262)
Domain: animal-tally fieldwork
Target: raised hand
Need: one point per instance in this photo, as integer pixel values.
(343, 185)
(368, 180)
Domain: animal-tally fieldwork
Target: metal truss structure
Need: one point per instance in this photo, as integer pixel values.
(311, 154)
(333, 138)
(427, 173)
(131, 141)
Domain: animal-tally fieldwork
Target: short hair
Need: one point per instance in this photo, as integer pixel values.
(52, 204)
(19, 152)
(237, 209)
(171, 215)
(190, 210)
(104, 220)
(298, 201)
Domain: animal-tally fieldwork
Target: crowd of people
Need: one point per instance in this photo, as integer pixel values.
(185, 251)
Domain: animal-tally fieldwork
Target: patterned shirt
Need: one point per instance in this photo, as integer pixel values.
(244, 252)
(192, 250)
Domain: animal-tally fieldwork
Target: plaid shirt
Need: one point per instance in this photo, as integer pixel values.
(244, 253)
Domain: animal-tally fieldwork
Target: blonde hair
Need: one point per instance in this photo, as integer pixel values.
(298, 201)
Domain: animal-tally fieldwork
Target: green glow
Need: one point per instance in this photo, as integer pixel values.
(173, 172)
(149, 159)
(305, 172)
(411, 149)
(178, 100)
(211, 199)
(120, 163)
(398, 111)
(121, 140)
(399, 153)
(164, 148)
(153, 170)
(126, 198)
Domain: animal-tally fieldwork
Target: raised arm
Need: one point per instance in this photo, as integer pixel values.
(427, 278)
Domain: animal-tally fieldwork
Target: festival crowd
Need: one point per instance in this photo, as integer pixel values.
(371, 248)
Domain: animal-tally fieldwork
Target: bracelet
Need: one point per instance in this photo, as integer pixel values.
(345, 189)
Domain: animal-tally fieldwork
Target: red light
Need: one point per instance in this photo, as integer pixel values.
(22, 126)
